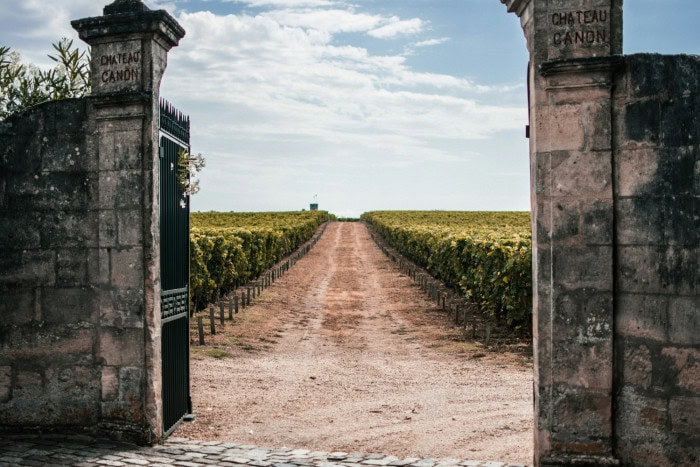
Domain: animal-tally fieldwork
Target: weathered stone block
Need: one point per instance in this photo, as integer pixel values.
(642, 420)
(684, 419)
(99, 266)
(588, 365)
(642, 315)
(5, 383)
(560, 129)
(3, 190)
(110, 383)
(543, 218)
(29, 385)
(69, 305)
(598, 225)
(64, 148)
(542, 374)
(647, 76)
(679, 121)
(121, 347)
(92, 262)
(17, 306)
(127, 268)
(684, 320)
(581, 28)
(596, 121)
(69, 229)
(582, 222)
(636, 171)
(681, 220)
(22, 156)
(131, 411)
(130, 228)
(131, 381)
(19, 231)
(583, 268)
(685, 365)
(28, 268)
(582, 420)
(586, 89)
(566, 221)
(107, 189)
(55, 395)
(583, 315)
(108, 229)
(71, 267)
(638, 221)
(121, 149)
(122, 308)
(581, 174)
(543, 407)
(642, 121)
(73, 385)
(543, 271)
(49, 191)
(543, 174)
(656, 269)
(50, 343)
(121, 190)
(638, 366)
(112, 75)
(65, 116)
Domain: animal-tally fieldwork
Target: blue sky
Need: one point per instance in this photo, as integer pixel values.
(369, 104)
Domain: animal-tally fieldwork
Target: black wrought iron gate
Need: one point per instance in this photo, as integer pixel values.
(174, 268)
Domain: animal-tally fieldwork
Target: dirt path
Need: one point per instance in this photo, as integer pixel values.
(351, 357)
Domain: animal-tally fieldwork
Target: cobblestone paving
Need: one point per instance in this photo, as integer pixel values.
(82, 451)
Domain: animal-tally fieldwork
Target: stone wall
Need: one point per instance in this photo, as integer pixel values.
(657, 310)
(49, 230)
(614, 184)
(72, 271)
(79, 231)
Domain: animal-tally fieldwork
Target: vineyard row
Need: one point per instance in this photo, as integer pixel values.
(230, 249)
(487, 256)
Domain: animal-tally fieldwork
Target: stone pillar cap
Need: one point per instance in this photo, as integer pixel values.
(124, 6)
(516, 6)
(124, 17)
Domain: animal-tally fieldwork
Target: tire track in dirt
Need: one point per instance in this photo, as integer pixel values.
(352, 371)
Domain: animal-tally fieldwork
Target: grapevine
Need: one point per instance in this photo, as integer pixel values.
(485, 255)
(228, 249)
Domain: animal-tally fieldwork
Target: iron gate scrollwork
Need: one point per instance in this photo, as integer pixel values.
(174, 269)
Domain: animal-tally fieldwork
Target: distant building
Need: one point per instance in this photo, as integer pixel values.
(313, 207)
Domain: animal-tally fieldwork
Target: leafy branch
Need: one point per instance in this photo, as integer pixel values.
(24, 85)
(188, 166)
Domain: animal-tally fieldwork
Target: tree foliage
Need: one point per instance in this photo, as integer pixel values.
(188, 166)
(24, 85)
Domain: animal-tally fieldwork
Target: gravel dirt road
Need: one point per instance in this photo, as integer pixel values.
(344, 353)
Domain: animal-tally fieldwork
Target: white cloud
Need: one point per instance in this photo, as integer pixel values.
(31, 26)
(287, 3)
(332, 20)
(398, 27)
(261, 83)
(431, 42)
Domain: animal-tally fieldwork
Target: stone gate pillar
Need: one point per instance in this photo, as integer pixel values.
(573, 46)
(128, 58)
